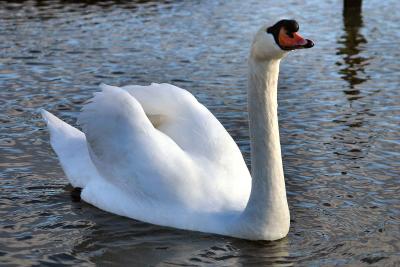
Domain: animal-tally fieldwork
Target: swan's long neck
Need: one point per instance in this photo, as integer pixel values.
(267, 213)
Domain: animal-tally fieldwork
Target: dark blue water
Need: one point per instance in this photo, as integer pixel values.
(339, 117)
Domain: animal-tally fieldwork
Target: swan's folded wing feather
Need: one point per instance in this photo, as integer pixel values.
(164, 98)
(70, 146)
(190, 124)
(128, 150)
(199, 133)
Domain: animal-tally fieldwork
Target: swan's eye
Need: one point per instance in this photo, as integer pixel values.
(290, 34)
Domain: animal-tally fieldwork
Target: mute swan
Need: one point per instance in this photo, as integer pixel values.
(155, 154)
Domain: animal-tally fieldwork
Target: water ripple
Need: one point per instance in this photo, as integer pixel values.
(338, 108)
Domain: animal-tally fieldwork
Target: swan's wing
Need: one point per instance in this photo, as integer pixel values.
(175, 112)
(194, 128)
(129, 152)
(191, 125)
(70, 146)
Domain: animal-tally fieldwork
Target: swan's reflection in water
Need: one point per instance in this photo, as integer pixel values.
(120, 241)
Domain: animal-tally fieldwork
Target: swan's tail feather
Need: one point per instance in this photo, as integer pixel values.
(70, 146)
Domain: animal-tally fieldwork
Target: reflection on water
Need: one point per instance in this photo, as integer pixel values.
(152, 245)
(338, 108)
(353, 145)
(351, 41)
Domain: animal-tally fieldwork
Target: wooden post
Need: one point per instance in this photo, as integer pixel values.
(352, 4)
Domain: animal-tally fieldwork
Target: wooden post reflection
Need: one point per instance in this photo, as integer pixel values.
(351, 41)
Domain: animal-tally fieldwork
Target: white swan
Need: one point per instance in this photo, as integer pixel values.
(155, 154)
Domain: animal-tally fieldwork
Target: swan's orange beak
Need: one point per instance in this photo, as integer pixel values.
(291, 41)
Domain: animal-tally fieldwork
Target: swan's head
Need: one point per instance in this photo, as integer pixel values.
(274, 41)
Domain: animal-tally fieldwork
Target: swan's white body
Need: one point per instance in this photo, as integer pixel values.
(155, 154)
(179, 174)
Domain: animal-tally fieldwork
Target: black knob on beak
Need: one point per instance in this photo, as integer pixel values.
(309, 44)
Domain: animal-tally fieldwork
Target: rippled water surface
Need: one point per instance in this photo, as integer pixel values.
(339, 118)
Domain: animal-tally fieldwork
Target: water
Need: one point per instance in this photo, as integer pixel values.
(339, 118)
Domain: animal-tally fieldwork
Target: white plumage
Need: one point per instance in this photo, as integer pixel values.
(186, 168)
